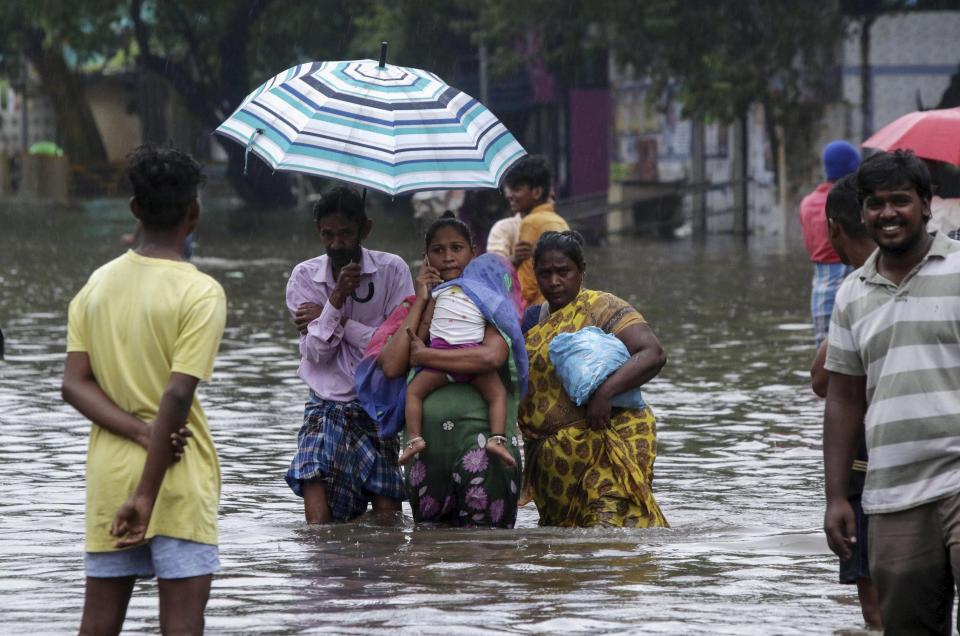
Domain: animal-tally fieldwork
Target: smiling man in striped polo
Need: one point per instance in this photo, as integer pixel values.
(894, 362)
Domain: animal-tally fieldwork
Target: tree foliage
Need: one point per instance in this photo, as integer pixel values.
(211, 52)
(717, 58)
(214, 53)
(562, 35)
(727, 56)
(724, 57)
(44, 32)
(435, 35)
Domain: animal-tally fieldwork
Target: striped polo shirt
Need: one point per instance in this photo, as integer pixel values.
(906, 340)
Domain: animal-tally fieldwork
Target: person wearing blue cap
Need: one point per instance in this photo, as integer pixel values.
(840, 158)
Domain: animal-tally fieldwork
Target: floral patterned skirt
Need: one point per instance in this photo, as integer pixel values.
(453, 480)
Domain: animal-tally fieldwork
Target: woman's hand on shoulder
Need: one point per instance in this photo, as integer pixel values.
(428, 278)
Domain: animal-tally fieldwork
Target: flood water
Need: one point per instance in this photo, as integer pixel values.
(738, 473)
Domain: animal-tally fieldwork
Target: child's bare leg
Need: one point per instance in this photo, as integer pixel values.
(182, 602)
(493, 391)
(105, 604)
(422, 385)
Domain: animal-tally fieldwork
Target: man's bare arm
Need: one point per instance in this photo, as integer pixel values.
(819, 376)
(842, 431)
(81, 391)
(133, 517)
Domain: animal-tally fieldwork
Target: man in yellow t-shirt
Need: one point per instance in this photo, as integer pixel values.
(527, 187)
(141, 334)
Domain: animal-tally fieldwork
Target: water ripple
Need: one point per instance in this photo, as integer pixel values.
(738, 473)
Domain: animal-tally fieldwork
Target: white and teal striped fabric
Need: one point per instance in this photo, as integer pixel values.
(393, 129)
(906, 340)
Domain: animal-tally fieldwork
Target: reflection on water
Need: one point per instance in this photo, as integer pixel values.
(738, 474)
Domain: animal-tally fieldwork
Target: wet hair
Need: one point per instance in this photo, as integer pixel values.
(569, 243)
(341, 200)
(843, 206)
(165, 182)
(447, 219)
(890, 170)
(532, 171)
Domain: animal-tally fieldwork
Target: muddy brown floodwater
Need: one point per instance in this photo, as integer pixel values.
(738, 473)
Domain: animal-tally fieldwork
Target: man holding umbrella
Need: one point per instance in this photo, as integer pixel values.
(395, 129)
(337, 301)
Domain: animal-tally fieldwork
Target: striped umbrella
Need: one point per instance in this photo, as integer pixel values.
(385, 127)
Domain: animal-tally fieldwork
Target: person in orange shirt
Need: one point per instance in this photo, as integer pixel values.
(527, 188)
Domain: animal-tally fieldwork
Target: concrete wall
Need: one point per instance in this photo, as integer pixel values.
(912, 56)
(111, 100)
(651, 142)
(41, 120)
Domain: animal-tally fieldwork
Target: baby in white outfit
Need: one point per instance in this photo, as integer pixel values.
(457, 324)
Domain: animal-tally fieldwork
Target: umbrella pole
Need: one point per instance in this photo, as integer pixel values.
(383, 54)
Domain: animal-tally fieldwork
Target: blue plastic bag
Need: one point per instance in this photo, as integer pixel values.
(584, 359)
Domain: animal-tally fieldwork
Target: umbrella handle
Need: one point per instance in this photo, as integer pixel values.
(368, 297)
(246, 152)
(383, 54)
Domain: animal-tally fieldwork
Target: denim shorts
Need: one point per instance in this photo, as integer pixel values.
(163, 557)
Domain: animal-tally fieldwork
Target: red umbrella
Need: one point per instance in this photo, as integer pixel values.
(931, 134)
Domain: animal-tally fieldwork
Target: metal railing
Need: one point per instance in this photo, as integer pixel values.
(583, 208)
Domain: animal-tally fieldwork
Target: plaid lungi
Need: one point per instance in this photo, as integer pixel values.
(339, 444)
(826, 281)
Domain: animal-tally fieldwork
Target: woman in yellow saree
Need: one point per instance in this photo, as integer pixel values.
(588, 465)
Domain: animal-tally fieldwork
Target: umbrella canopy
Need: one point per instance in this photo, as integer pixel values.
(931, 134)
(389, 128)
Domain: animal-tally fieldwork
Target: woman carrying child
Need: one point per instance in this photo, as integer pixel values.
(453, 321)
(456, 476)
